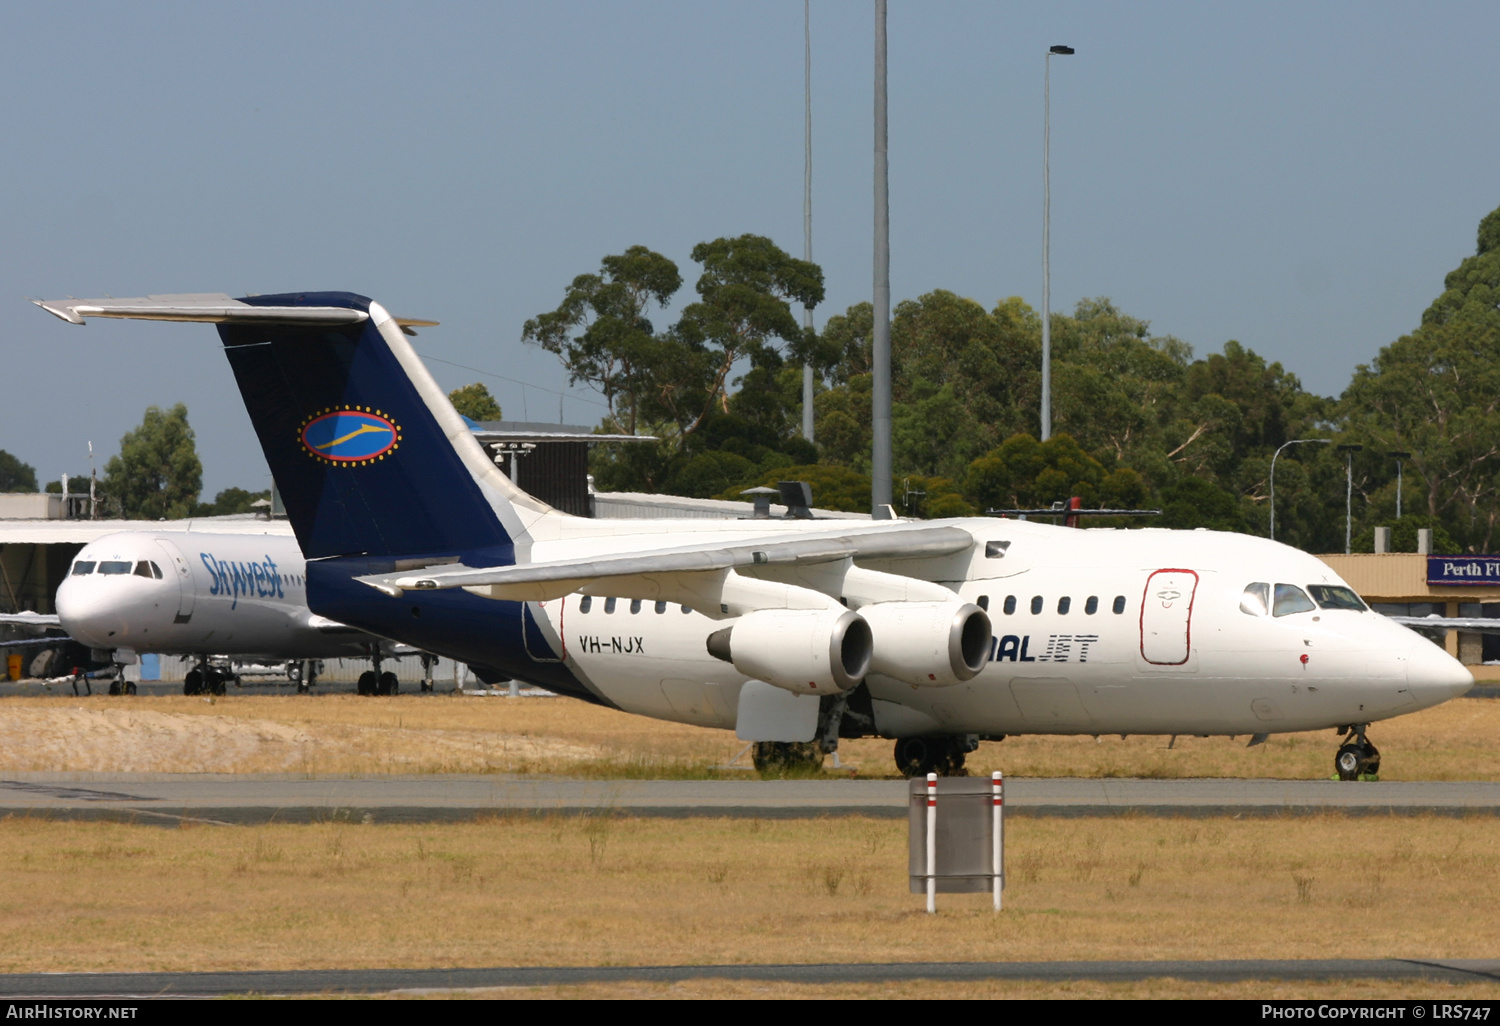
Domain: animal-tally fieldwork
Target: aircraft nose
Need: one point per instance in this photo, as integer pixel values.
(86, 616)
(1433, 673)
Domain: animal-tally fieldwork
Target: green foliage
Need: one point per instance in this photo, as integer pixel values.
(1196, 502)
(16, 476)
(1138, 420)
(157, 474)
(475, 402)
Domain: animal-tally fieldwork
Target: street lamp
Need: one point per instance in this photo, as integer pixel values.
(1398, 457)
(1348, 451)
(1294, 441)
(1060, 51)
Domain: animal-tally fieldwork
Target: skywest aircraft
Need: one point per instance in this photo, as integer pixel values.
(795, 633)
(198, 592)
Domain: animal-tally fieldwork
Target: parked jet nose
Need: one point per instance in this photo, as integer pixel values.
(87, 614)
(1435, 676)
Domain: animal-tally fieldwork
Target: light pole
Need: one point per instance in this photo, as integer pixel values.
(1398, 457)
(1061, 51)
(1348, 451)
(807, 317)
(880, 335)
(1294, 441)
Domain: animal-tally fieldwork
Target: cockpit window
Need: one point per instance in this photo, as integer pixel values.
(115, 566)
(1291, 599)
(82, 567)
(1257, 599)
(143, 569)
(156, 571)
(1333, 596)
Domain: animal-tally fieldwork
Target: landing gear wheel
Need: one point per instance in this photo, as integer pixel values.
(1347, 761)
(130, 687)
(192, 684)
(213, 682)
(114, 687)
(919, 756)
(1372, 760)
(366, 685)
(781, 758)
(388, 683)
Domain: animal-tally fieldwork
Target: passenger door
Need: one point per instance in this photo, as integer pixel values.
(180, 569)
(1166, 617)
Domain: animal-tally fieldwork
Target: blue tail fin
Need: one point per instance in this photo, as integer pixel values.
(368, 454)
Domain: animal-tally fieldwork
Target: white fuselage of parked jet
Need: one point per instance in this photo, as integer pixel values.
(198, 593)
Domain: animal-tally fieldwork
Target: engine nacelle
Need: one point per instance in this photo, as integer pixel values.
(929, 644)
(807, 651)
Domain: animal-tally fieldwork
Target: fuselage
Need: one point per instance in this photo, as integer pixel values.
(197, 593)
(1095, 631)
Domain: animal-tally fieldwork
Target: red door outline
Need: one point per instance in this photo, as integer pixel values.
(1188, 630)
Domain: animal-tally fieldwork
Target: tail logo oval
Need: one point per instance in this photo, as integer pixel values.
(350, 436)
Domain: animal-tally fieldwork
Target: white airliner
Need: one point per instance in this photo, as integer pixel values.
(937, 634)
(200, 593)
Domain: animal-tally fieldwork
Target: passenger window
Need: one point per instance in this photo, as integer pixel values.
(1332, 596)
(83, 568)
(1119, 606)
(1010, 605)
(114, 566)
(1063, 605)
(1291, 599)
(609, 605)
(995, 549)
(983, 602)
(1036, 604)
(1257, 599)
(661, 607)
(586, 603)
(1092, 605)
(143, 569)
(635, 605)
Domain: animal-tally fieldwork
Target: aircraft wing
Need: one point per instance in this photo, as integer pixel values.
(1468, 624)
(553, 579)
(37, 621)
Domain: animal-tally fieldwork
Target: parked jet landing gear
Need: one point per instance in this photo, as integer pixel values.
(786, 758)
(205, 678)
(1358, 758)
(942, 754)
(374, 682)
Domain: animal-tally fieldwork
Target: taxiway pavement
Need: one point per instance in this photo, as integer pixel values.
(246, 799)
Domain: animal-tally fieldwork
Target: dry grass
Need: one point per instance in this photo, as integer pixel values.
(610, 890)
(345, 734)
(929, 990)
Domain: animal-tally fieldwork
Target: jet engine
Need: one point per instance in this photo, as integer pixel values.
(929, 644)
(806, 651)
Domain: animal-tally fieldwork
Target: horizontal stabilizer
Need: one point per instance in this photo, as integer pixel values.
(211, 308)
(895, 542)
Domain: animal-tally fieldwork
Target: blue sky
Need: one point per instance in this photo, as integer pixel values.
(1295, 176)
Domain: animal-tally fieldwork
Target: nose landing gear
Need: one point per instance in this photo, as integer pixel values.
(941, 754)
(1358, 758)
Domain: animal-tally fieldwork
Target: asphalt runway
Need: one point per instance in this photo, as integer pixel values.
(249, 799)
(375, 981)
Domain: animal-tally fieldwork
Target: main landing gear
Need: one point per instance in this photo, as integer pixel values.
(942, 754)
(1358, 758)
(374, 682)
(204, 679)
